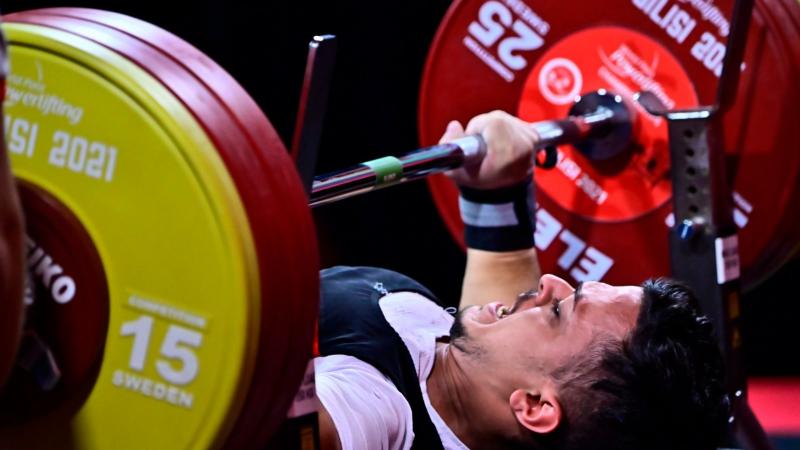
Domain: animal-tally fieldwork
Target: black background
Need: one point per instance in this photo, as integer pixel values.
(382, 47)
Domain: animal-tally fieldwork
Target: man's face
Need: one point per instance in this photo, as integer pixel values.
(545, 328)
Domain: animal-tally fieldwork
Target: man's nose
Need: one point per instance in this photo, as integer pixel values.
(551, 286)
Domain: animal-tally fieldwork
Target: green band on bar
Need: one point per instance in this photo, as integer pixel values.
(387, 169)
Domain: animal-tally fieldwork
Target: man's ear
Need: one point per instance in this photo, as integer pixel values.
(539, 412)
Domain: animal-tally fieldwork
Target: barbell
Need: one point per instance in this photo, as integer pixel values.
(598, 122)
(173, 259)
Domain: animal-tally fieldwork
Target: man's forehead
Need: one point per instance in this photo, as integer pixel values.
(601, 292)
(610, 308)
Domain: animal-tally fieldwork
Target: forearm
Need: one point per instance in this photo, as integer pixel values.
(497, 208)
(498, 276)
(501, 257)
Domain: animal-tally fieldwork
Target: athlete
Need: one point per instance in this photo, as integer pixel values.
(530, 361)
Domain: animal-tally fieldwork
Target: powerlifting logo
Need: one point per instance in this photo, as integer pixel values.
(624, 63)
(31, 93)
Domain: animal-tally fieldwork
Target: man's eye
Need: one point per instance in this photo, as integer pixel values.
(556, 307)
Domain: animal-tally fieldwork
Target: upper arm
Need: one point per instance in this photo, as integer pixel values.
(328, 437)
(361, 409)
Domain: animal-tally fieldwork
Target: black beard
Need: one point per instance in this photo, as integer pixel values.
(457, 330)
(458, 334)
(461, 340)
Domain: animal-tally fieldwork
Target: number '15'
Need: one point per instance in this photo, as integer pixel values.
(178, 345)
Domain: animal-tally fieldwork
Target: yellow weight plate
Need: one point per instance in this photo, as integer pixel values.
(114, 147)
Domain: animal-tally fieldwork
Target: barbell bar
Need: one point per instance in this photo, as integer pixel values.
(605, 121)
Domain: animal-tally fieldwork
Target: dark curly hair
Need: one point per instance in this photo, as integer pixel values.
(660, 388)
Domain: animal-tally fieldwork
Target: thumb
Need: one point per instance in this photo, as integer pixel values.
(454, 131)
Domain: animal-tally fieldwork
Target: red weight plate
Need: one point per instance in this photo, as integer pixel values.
(636, 183)
(68, 316)
(250, 149)
(609, 220)
(785, 14)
